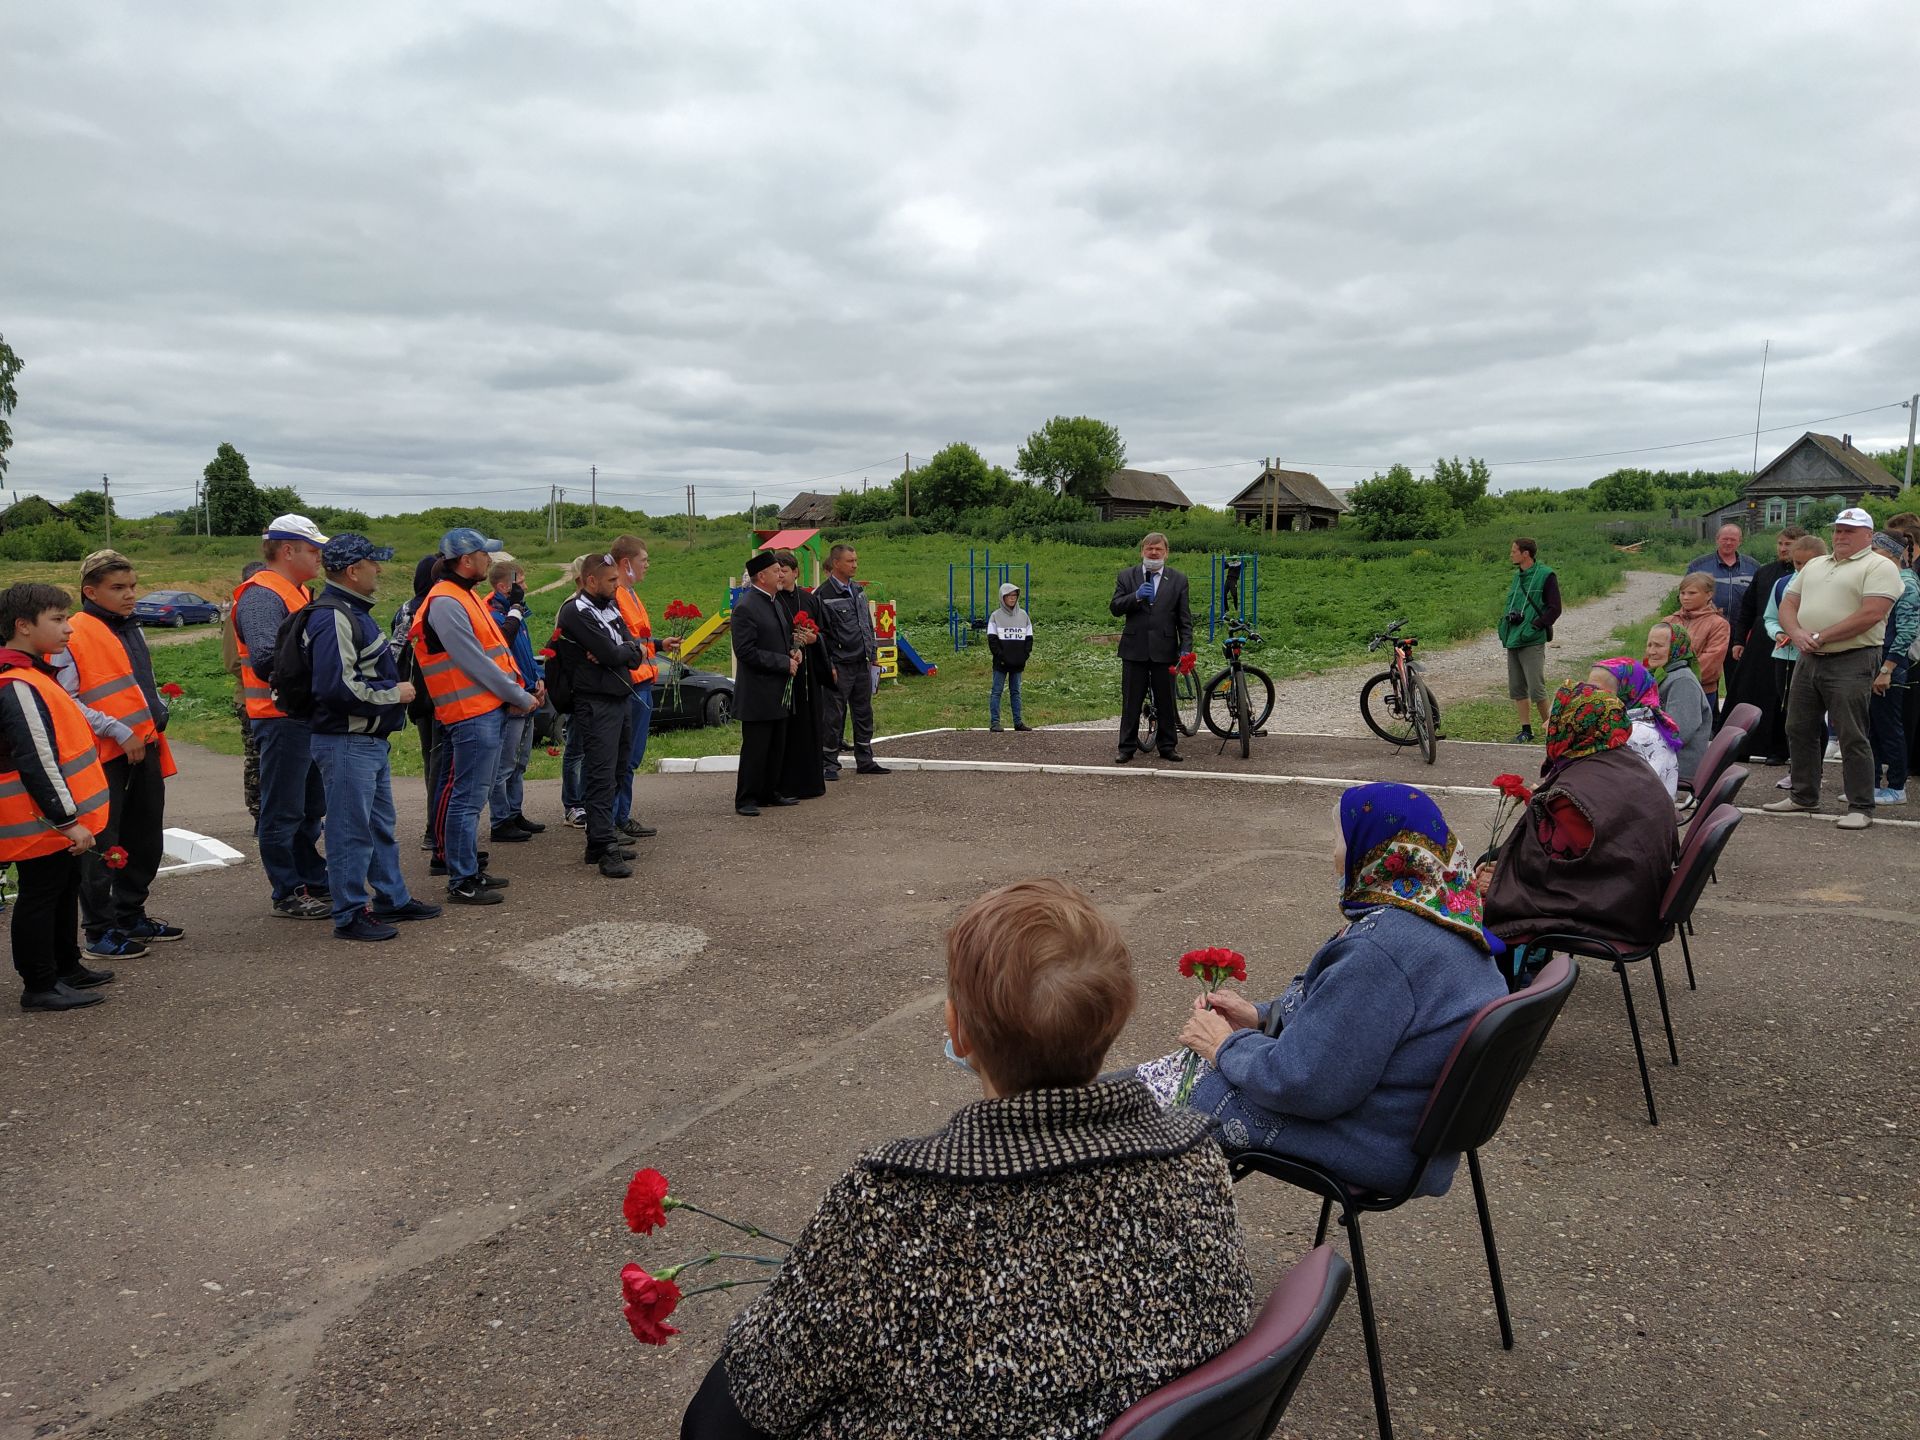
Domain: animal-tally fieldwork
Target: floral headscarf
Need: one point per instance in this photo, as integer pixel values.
(1641, 697)
(1680, 653)
(1400, 853)
(1585, 720)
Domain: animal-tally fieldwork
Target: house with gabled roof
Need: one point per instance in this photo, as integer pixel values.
(1133, 494)
(1280, 499)
(1814, 470)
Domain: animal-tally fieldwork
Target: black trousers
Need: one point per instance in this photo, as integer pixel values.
(1136, 677)
(46, 919)
(712, 1415)
(763, 747)
(434, 757)
(136, 814)
(851, 694)
(606, 734)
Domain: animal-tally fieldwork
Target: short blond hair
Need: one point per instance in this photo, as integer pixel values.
(1042, 983)
(504, 568)
(1698, 580)
(1808, 545)
(625, 547)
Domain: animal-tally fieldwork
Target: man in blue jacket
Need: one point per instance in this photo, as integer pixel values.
(359, 700)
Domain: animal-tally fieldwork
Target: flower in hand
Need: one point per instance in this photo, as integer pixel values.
(1214, 966)
(1204, 1031)
(115, 857)
(171, 691)
(647, 1301)
(1513, 788)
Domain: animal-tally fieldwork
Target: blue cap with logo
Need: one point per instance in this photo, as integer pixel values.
(344, 550)
(465, 541)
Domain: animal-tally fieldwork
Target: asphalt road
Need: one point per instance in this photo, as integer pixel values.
(286, 1187)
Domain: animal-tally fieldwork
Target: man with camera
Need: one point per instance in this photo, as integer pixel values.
(1533, 604)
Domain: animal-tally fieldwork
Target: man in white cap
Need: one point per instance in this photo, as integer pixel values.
(292, 800)
(1834, 612)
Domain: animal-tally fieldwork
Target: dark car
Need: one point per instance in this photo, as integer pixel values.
(705, 698)
(176, 608)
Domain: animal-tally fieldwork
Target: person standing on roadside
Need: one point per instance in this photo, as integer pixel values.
(359, 700)
(230, 661)
(1886, 710)
(630, 559)
(469, 672)
(53, 801)
(801, 774)
(508, 602)
(1152, 598)
(765, 663)
(1757, 685)
(107, 670)
(1708, 631)
(1010, 638)
(1533, 607)
(293, 802)
(1835, 614)
(1732, 575)
(596, 653)
(853, 653)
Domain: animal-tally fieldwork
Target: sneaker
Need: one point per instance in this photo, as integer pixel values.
(114, 945)
(439, 865)
(1832, 757)
(427, 842)
(532, 827)
(1789, 806)
(874, 769)
(302, 906)
(509, 835)
(472, 892)
(618, 852)
(412, 910)
(1785, 782)
(613, 867)
(1853, 820)
(1525, 737)
(1020, 727)
(577, 817)
(148, 930)
(319, 892)
(364, 927)
(81, 978)
(1883, 796)
(634, 829)
(993, 729)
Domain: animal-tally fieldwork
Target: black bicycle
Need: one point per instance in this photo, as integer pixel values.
(1186, 710)
(1396, 703)
(1236, 702)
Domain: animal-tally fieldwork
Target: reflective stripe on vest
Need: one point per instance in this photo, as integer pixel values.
(456, 695)
(257, 694)
(635, 614)
(25, 833)
(107, 684)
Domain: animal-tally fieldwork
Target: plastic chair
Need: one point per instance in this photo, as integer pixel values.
(1464, 1110)
(1241, 1393)
(1722, 793)
(1746, 715)
(1718, 756)
(1676, 908)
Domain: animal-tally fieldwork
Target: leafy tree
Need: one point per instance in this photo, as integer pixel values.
(10, 366)
(1623, 490)
(282, 500)
(332, 517)
(1466, 486)
(89, 509)
(1072, 456)
(957, 478)
(860, 507)
(1398, 506)
(234, 505)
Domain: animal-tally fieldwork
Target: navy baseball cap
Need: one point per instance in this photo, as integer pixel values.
(464, 541)
(344, 550)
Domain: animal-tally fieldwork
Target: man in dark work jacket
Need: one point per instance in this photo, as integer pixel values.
(1159, 630)
(765, 661)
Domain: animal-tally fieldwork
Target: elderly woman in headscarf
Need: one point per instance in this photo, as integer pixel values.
(1337, 1070)
(1594, 850)
(1669, 658)
(1652, 734)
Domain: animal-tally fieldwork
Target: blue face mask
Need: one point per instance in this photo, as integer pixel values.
(956, 1059)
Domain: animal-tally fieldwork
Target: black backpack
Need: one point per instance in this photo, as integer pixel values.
(559, 671)
(288, 671)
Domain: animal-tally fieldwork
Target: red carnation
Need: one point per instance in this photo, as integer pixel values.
(1513, 787)
(1214, 966)
(115, 857)
(545, 654)
(1186, 664)
(802, 617)
(171, 691)
(689, 612)
(642, 1207)
(553, 749)
(647, 1302)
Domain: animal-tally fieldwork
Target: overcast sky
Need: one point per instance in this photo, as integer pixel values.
(403, 254)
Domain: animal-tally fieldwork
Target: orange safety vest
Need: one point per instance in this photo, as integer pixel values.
(456, 695)
(255, 691)
(635, 614)
(26, 834)
(107, 684)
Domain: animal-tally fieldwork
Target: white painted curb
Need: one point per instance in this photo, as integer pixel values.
(188, 850)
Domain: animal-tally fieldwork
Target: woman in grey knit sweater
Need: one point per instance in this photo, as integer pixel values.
(1059, 1250)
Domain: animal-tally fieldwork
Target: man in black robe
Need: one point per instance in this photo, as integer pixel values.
(765, 661)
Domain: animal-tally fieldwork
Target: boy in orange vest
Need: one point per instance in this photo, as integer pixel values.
(107, 670)
(53, 801)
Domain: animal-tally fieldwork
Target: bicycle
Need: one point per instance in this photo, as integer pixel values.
(1186, 709)
(1227, 704)
(1396, 703)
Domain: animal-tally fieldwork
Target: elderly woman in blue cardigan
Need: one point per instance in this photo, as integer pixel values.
(1337, 1070)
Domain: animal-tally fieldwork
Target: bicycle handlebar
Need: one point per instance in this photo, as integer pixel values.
(1385, 635)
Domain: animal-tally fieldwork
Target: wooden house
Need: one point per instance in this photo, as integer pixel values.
(1137, 494)
(1814, 470)
(1287, 500)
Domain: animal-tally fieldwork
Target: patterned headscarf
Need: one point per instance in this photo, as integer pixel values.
(1400, 853)
(1680, 653)
(1641, 697)
(1585, 720)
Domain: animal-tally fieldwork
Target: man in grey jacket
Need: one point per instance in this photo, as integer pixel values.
(852, 651)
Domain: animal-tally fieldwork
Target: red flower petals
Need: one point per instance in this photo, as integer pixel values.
(643, 1208)
(682, 610)
(647, 1301)
(1215, 965)
(172, 691)
(553, 749)
(115, 858)
(1513, 787)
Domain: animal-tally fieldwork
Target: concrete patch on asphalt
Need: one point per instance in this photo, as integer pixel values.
(609, 955)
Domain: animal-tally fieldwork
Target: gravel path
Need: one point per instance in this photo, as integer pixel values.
(1328, 702)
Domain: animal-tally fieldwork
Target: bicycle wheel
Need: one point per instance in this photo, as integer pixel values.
(1385, 712)
(1242, 713)
(1149, 725)
(1259, 694)
(1423, 722)
(1186, 703)
(1216, 705)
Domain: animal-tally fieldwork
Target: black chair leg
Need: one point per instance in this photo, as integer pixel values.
(1493, 1253)
(1660, 989)
(1375, 1370)
(1687, 952)
(1639, 1053)
(1326, 1210)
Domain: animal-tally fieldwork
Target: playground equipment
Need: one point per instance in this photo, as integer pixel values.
(984, 579)
(1233, 590)
(703, 636)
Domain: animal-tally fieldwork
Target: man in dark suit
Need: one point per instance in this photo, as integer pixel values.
(765, 660)
(1159, 630)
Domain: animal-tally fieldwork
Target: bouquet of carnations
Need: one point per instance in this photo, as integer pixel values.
(1212, 967)
(681, 617)
(1515, 795)
(647, 1299)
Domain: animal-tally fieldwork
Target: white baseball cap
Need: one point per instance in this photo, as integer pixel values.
(293, 527)
(1854, 516)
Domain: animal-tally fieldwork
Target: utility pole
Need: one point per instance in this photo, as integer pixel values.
(106, 490)
(1767, 350)
(906, 479)
(689, 517)
(594, 495)
(1913, 413)
(753, 518)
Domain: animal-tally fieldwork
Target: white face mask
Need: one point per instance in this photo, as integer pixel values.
(1153, 567)
(956, 1058)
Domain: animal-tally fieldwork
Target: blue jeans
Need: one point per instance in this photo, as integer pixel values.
(573, 769)
(363, 855)
(1010, 681)
(1887, 724)
(641, 708)
(509, 777)
(473, 755)
(293, 806)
